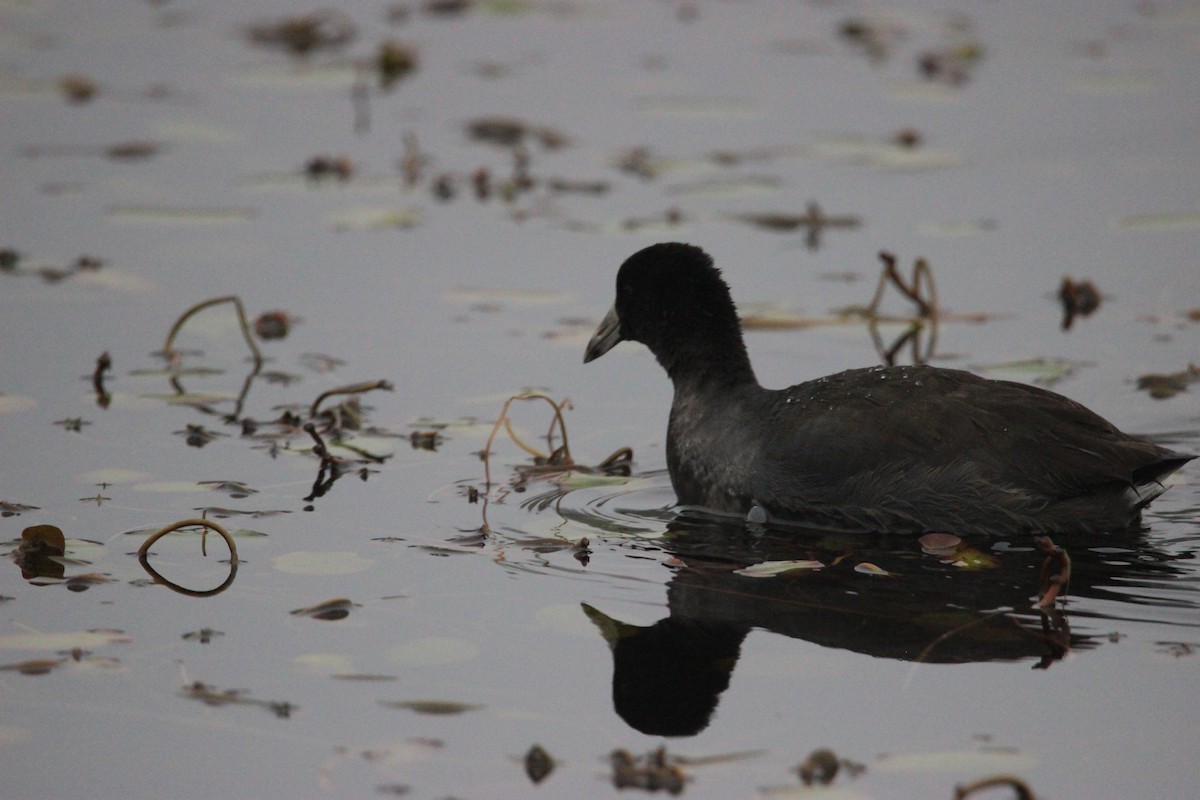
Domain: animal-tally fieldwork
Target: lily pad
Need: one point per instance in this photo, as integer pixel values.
(432, 651)
(66, 640)
(322, 562)
(958, 761)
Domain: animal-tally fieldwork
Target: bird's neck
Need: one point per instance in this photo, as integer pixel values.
(710, 364)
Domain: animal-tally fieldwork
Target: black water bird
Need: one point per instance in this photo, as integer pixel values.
(887, 449)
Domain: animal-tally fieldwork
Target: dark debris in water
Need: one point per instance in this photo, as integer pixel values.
(822, 766)
(538, 764)
(8, 509)
(202, 635)
(210, 695)
(1078, 299)
(303, 34)
(655, 771)
(329, 610)
(1163, 386)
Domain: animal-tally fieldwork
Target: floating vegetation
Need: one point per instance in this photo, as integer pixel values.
(212, 696)
(538, 764)
(103, 366)
(179, 215)
(770, 569)
(699, 106)
(966, 227)
(1078, 299)
(814, 220)
(654, 771)
(329, 610)
(1044, 371)
(235, 489)
(511, 132)
(206, 525)
(1020, 788)
(1169, 220)
(1163, 386)
(439, 708)
(393, 61)
(69, 641)
(822, 766)
(323, 168)
(8, 509)
(134, 150)
(1055, 573)
(883, 154)
(324, 562)
(557, 464)
(302, 34)
(39, 552)
(10, 264)
(375, 218)
(202, 636)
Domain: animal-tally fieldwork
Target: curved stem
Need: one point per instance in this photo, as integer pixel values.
(241, 313)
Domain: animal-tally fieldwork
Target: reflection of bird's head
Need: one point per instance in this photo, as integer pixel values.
(668, 677)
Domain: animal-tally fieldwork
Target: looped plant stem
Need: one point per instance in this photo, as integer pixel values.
(144, 550)
(242, 321)
(564, 452)
(355, 388)
(191, 523)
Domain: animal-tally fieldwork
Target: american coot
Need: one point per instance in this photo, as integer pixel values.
(881, 449)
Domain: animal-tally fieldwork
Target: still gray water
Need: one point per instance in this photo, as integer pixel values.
(437, 196)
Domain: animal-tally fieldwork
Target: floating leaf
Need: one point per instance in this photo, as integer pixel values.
(68, 640)
(538, 764)
(963, 227)
(883, 154)
(11, 403)
(337, 608)
(434, 707)
(970, 558)
(234, 489)
(433, 651)
(1177, 220)
(167, 215)
(36, 666)
(1046, 371)
(44, 538)
(323, 562)
(112, 475)
(8, 509)
(375, 218)
(697, 106)
(769, 569)
(972, 761)
(939, 543)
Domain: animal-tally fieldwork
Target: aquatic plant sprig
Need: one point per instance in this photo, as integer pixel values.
(560, 457)
(354, 388)
(170, 352)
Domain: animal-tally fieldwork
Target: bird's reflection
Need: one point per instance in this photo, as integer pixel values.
(909, 606)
